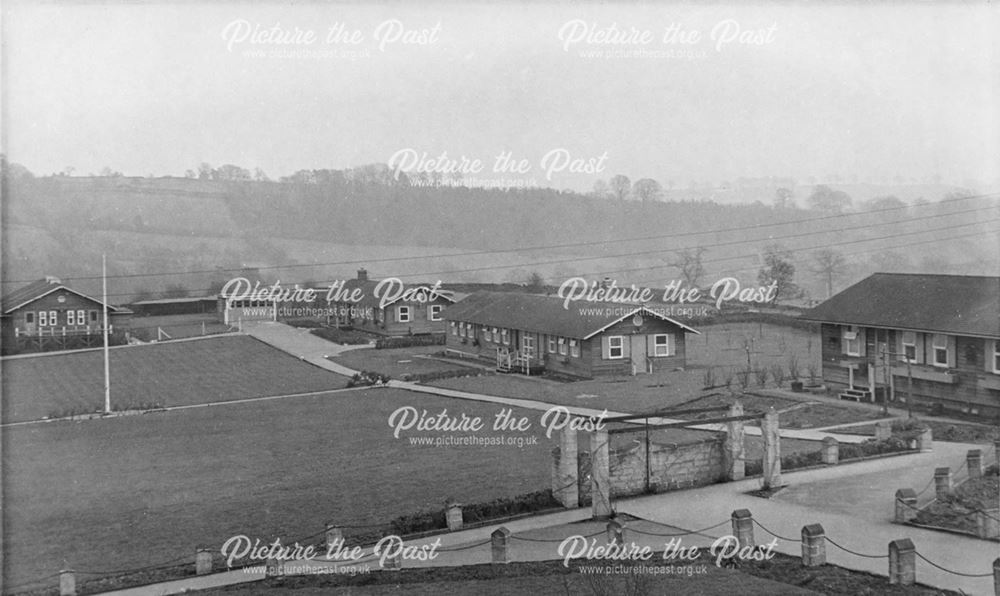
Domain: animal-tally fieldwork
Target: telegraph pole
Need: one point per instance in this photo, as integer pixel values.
(107, 368)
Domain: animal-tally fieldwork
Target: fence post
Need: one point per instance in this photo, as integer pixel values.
(942, 482)
(902, 562)
(883, 430)
(743, 527)
(735, 451)
(600, 474)
(565, 484)
(453, 516)
(831, 451)
(974, 462)
(988, 523)
(202, 561)
(772, 449)
(906, 505)
(500, 545)
(334, 536)
(813, 545)
(616, 532)
(67, 583)
(996, 576)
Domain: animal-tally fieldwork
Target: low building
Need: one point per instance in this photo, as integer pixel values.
(48, 315)
(416, 311)
(937, 336)
(526, 332)
(158, 307)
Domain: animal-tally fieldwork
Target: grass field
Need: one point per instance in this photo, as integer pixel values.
(167, 374)
(397, 362)
(133, 491)
(177, 326)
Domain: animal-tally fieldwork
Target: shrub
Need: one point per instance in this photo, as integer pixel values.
(778, 374)
(445, 374)
(793, 367)
(367, 378)
(409, 341)
(813, 373)
(761, 375)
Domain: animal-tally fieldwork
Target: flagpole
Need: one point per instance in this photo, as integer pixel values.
(107, 368)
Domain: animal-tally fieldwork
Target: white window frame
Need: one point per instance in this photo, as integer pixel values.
(434, 312)
(81, 317)
(996, 356)
(574, 348)
(71, 317)
(909, 344)
(403, 314)
(487, 334)
(505, 336)
(612, 340)
(43, 318)
(562, 346)
(849, 341)
(665, 345)
(935, 348)
(471, 331)
(53, 318)
(528, 345)
(454, 329)
(552, 344)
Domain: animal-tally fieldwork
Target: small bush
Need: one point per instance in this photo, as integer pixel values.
(778, 374)
(409, 341)
(793, 367)
(367, 378)
(761, 375)
(813, 373)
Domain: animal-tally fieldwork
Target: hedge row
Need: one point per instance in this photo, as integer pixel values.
(446, 374)
(409, 341)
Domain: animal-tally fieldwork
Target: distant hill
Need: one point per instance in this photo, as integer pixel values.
(293, 230)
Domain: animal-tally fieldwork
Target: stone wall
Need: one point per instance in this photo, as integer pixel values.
(672, 466)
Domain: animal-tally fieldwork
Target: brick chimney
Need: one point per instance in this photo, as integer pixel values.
(52, 280)
(362, 274)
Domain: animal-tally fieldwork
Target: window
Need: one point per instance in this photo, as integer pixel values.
(940, 346)
(454, 328)
(909, 346)
(29, 317)
(487, 334)
(93, 316)
(616, 347)
(461, 329)
(71, 317)
(852, 341)
(574, 348)
(528, 346)
(43, 318)
(53, 318)
(552, 344)
(81, 318)
(562, 345)
(661, 344)
(505, 336)
(996, 356)
(472, 331)
(403, 314)
(434, 312)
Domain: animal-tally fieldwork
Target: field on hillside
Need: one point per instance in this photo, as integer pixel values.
(134, 491)
(165, 374)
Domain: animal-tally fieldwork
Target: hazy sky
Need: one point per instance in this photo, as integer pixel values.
(910, 90)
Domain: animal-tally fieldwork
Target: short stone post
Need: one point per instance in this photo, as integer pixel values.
(942, 482)
(974, 462)
(600, 474)
(735, 452)
(902, 562)
(202, 561)
(996, 577)
(453, 516)
(925, 440)
(500, 545)
(274, 567)
(830, 451)
(334, 536)
(565, 484)
(988, 523)
(67, 583)
(813, 545)
(743, 527)
(906, 505)
(883, 430)
(772, 449)
(616, 532)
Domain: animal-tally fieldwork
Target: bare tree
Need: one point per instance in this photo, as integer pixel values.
(621, 187)
(829, 265)
(689, 261)
(647, 190)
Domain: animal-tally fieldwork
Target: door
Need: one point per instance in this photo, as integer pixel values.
(528, 346)
(637, 348)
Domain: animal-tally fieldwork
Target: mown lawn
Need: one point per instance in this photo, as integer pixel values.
(126, 492)
(165, 374)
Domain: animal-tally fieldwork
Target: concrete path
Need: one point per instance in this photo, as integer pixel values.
(299, 342)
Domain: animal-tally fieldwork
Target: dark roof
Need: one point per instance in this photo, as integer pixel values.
(956, 304)
(35, 290)
(545, 314)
